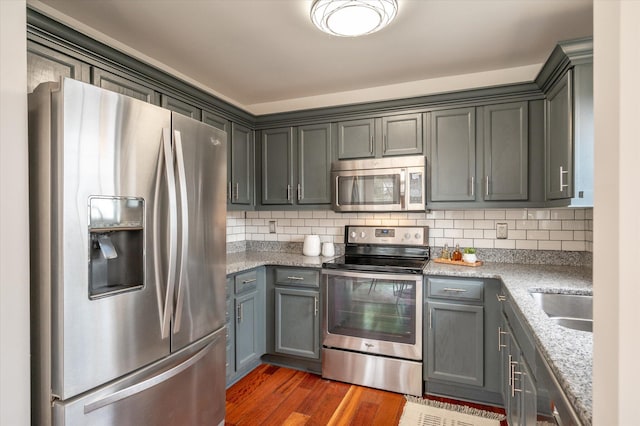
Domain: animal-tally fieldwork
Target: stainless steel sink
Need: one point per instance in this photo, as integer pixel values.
(568, 310)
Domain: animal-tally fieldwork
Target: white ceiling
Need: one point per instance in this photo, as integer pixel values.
(266, 56)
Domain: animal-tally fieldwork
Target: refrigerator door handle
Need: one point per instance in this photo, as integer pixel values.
(184, 215)
(150, 382)
(166, 157)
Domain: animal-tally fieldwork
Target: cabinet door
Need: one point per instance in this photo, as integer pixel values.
(355, 139)
(402, 134)
(506, 151)
(44, 64)
(229, 315)
(314, 164)
(277, 166)
(297, 322)
(181, 107)
(455, 356)
(242, 165)
(559, 140)
(453, 155)
(247, 327)
(122, 85)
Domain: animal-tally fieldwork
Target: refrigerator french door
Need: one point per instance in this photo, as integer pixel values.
(128, 260)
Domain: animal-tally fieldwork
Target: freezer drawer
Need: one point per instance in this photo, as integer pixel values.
(186, 388)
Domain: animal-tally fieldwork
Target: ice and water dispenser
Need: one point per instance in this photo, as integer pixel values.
(116, 245)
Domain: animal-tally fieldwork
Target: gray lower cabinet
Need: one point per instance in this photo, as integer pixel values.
(45, 64)
(460, 319)
(569, 137)
(452, 155)
(124, 86)
(293, 317)
(246, 322)
(295, 165)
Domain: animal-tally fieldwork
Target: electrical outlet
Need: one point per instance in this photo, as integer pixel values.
(501, 230)
(272, 226)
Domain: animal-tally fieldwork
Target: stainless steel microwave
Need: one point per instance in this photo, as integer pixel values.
(379, 184)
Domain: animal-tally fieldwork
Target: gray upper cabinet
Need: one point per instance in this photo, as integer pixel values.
(402, 134)
(314, 164)
(296, 164)
(569, 137)
(122, 85)
(277, 166)
(452, 155)
(506, 147)
(559, 141)
(356, 139)
(181, 107)
(241, 165)
(44, 64)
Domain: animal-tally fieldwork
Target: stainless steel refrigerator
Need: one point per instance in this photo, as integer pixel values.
(128, 250)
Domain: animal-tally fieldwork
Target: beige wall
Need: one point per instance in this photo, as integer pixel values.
(14, 260)
(616, 221)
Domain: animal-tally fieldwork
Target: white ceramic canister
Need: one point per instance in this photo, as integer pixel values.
(311, 246)
(328, 249)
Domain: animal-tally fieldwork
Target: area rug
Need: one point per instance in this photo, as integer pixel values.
(424, 412)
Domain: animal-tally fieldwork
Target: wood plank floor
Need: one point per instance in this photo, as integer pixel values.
(272, 395)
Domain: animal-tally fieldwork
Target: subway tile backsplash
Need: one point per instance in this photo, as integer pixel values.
(564, 229)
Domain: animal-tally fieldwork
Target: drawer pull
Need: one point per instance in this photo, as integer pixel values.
(455, 290)
(249, 281)
(296, 278)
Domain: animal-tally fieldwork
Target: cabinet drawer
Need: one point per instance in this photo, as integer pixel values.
(297, 277)
(456, 289)
(247, 281)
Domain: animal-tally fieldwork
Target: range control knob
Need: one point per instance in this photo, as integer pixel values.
(407, 236)
(418, 236)
(353, 235)
(363, 234)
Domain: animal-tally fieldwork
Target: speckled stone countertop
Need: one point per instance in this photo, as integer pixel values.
(245, 260)
(568, 352)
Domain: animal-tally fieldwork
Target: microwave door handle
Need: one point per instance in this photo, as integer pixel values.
(355, 193)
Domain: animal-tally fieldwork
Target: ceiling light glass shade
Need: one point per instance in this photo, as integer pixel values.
(352, 18)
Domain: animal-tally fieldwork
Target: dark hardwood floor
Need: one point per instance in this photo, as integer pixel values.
(272, 395)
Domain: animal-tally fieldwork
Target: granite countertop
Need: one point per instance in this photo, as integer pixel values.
(568, 352)
(245, 260)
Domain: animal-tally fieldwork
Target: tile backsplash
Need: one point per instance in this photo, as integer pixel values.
(564, 229)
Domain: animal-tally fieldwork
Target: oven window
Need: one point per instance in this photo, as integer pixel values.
(371, 308)
(369, 190)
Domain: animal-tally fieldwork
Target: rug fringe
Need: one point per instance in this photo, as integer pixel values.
(456, 407)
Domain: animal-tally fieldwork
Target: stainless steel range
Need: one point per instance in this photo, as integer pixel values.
(372, 309)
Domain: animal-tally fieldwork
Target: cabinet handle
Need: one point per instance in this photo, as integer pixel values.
(500, 333)
(237, 191)
(299, 192)
(288, 192)
(486, 185)
(513, 386)
(294, 278)
(456, 290)
(249, 281)
(229, 196)
(384, 143)
(239, 314)
(501, 297)
(510, 366)
(430, 318)
(315, 306)
(562, 173)
(473, 186)
(371, 145)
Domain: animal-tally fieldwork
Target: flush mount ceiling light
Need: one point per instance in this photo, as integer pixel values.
(352, 18)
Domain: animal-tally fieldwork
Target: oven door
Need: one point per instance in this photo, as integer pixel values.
(373, 313)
